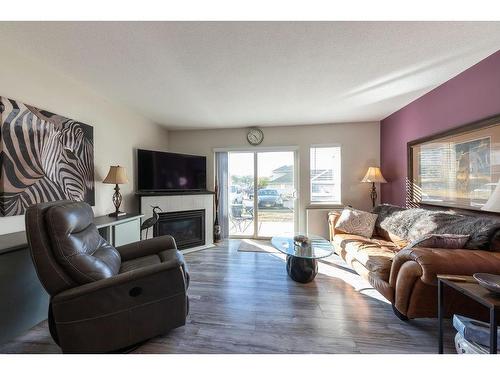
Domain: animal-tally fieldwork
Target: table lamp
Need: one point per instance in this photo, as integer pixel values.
(374, 175)
(116, 175)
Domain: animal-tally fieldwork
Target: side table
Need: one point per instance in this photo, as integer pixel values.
(469, 287)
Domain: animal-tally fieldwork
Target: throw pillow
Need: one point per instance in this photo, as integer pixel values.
(385, 211)
(358, 222)
(443, 241)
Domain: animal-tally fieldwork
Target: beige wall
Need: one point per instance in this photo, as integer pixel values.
(117, 130)
(360, 149)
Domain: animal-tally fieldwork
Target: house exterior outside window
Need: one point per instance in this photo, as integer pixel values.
(325, 174)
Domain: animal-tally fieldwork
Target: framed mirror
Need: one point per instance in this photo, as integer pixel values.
(458, 168)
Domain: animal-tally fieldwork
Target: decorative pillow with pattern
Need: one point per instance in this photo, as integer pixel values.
(358, 222)
(443, 241)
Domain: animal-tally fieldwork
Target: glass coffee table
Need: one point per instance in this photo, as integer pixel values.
(302, 256)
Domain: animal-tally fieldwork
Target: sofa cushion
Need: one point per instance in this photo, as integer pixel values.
(415, 223)
(385, 211)
(443, 241)
(354, 221)
(375, 254)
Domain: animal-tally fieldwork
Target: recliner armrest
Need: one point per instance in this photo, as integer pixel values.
(118, 280)
(146, 247)
(435, 261)
(120, 293)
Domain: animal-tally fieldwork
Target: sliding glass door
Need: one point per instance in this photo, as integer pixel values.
(275, 193)
(241, 173)
(262, 193)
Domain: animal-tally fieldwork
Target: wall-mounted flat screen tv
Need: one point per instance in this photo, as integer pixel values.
(167, 171)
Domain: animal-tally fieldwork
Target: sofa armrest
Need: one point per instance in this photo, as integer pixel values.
(430, 262)
(121, 292)
(333, 217)
(146, 247)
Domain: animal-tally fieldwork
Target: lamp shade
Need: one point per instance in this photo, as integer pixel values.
(374, 175)
(493, 203)
(116, 175)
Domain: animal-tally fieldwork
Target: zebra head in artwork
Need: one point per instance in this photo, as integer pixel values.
(45, 157)
(74, 172)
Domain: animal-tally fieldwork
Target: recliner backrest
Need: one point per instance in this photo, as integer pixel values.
(66, 246)
(77, 244)
(53, 278)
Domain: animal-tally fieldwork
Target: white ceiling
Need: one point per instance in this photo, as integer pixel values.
(237, 74)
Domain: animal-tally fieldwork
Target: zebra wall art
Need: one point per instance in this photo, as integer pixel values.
(43, 157)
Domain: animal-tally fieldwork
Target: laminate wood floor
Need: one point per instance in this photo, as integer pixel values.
(244, 302)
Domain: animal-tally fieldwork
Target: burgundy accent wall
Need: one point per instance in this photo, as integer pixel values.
(470, 96)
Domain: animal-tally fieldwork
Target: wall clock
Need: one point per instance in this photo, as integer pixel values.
(255, 136)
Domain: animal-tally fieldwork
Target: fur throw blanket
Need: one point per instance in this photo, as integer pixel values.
(415, 223)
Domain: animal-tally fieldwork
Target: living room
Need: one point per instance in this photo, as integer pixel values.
(249, 187)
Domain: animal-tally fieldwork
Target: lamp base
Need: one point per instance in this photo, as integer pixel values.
(373, 194)
(117, 201)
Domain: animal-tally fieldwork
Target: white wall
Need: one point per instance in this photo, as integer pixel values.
(360, 149)
(117, 130)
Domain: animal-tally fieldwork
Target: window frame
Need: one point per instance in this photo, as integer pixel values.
(325, 203)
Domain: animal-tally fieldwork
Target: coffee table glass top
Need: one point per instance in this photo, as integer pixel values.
(316, 246)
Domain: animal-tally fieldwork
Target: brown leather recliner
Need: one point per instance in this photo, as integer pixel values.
(104, 299)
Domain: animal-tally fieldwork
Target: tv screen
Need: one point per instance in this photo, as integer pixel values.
(166, 171)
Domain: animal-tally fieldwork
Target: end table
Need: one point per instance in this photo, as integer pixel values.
(469, 287)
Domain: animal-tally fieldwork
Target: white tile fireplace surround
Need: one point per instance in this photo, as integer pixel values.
(182, 202)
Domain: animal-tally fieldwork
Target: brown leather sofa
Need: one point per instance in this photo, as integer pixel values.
(407, 277)
(104, 299)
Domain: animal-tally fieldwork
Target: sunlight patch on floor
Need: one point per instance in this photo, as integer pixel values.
(263, 245)
(335, 267)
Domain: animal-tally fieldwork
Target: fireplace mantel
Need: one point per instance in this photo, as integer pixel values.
(174, 202)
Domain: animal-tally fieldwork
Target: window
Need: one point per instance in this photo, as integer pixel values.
(325, 174)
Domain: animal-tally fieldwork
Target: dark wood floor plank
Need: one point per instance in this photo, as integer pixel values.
(243, 302)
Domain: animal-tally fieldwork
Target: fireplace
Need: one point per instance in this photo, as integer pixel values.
(187, 227)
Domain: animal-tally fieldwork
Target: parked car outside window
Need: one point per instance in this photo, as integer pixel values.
(269, 198)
